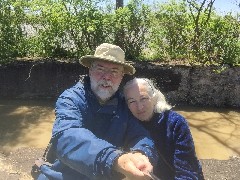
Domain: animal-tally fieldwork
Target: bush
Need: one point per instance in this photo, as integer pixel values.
(73, 28)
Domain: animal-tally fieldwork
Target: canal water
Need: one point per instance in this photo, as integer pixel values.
(28, 123)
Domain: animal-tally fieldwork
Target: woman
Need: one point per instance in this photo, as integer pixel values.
(169, 130)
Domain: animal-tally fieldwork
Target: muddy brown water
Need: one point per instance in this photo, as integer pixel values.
(28, 123)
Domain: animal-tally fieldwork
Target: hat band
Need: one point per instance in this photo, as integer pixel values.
(110, 58)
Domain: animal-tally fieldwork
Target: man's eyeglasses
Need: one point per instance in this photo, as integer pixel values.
(102, 71)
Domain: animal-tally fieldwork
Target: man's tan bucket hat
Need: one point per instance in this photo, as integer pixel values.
(109, 53)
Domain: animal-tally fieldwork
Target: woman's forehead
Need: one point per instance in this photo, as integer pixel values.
(136, 89)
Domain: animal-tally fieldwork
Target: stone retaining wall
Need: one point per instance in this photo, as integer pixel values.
(182, 85)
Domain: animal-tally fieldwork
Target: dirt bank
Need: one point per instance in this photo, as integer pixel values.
(182, 85)
(17, 165)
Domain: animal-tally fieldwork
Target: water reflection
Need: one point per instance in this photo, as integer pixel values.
(25, 123)
(216, 132)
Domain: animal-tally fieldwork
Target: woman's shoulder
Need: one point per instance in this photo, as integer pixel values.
(173, 117)
(170, 114)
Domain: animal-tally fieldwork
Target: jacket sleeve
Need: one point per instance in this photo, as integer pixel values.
(77, 147)
(138, 139)
(186, 163)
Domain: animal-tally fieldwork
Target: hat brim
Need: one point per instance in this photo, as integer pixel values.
(88, 59)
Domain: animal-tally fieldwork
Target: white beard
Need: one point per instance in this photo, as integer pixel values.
(103, 94)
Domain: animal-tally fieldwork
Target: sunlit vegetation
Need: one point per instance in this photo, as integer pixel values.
(186, 31)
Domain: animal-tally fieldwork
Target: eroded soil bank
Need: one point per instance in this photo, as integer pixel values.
(182, 85)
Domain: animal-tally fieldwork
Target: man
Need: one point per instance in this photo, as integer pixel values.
(94, 135)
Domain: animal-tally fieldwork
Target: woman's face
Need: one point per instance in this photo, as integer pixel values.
(139, 101)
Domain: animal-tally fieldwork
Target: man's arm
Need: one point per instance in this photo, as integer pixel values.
(76, 146)
(139, 140)
(141, 156)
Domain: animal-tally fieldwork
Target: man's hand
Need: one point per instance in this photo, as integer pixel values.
(133, 166)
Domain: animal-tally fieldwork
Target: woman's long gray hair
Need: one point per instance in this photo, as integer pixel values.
(161, 103)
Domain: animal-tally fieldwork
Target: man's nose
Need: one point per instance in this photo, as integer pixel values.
(107, 75)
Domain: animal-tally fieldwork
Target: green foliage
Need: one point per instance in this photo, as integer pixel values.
(220, 41)
(170, 32)
(11, 37)
(59, 28)
(131, 27)
(176, 36)
(73, 28)
(65, 28)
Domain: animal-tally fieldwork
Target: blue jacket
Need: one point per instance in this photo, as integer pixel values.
(88, 137)
(173, 139)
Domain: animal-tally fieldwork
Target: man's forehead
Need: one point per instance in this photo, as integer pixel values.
(107, 64)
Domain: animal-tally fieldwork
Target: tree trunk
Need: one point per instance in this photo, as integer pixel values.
(119, 3)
